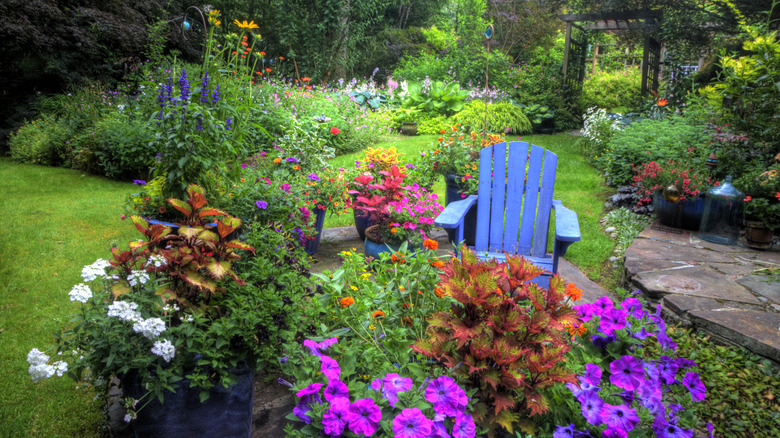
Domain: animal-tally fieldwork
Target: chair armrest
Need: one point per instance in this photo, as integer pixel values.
(567, 226)
(455, 212)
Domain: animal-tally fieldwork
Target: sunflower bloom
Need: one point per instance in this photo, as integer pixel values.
(246, 25)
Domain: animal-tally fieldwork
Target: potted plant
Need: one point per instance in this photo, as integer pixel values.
(456, 157)
(367, 170)
(762, 203)
(168, 317)
(406, 120)
(676, 191)
(397, 213)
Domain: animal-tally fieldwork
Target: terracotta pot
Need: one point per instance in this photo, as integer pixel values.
(757, 235)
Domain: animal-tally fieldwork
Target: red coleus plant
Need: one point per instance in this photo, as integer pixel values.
(195, 258)
(373, 199)
(505, 336)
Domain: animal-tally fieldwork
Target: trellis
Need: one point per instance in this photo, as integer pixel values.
(647, 22)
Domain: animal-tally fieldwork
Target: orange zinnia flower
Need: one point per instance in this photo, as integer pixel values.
(439, 292)
(395, 259)
(431, 244)
(393, 230)
(347, 301)
(437, 264)
(306, 79)
(378, 314)
(268, 70)
(573, 292)
(662, 102)
(277, 160)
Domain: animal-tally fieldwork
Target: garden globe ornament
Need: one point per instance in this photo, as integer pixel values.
(671, 193)
(185, 25)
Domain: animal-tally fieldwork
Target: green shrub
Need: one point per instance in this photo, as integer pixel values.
(42, 141)
(673, 138)
(612, 89)
(122, 150)
(502, 117)
(540, 84)
(430, 124)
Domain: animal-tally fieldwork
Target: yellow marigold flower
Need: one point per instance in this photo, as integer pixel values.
(347, 301)
(246, 25)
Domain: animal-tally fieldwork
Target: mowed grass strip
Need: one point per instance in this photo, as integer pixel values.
(54, 221)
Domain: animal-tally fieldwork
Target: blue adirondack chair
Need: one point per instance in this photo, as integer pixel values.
(513, 213)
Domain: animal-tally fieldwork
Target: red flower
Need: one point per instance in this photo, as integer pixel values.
(662, 102)
(335, 131)
(747, 199)
(777, 195)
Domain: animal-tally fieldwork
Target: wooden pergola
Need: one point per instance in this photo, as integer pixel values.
(648, 22)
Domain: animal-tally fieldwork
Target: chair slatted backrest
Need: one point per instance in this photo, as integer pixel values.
(514, 204)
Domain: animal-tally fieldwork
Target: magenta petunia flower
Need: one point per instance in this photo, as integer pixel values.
(614, 433)
(601, 305)
(612, 319)
(667, 368)
(619, 417)
(312, 389)
(285, 188)
(335, 418)
(464, 426)
(584, 311)
(336, 389)
(364, 417)
(411, 423)
(301, 410)
(439, 429)
(330, 368)
(627, 373)
(395, 383)
(695, 386)
(447, 397)
(634, 307)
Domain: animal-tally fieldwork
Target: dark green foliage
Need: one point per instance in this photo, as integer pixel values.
(47, 45)
(673, 138)
(620, 88)
(741, 386)
(540, 83)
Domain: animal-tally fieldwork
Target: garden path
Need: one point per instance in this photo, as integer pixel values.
(726, 291)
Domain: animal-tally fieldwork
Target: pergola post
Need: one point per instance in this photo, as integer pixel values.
(566, 50)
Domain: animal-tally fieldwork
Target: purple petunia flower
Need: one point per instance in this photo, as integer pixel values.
(583, 388)
(667, 369)
(584, 311)
(612, 319)
(633, 306)
(591, 405)
(695, 386)
(592, 374)
(261, 205)
(336, 389)
(411, 423)
(301, 410)
(664, 429)
(285, 188)
(139, 182)
(464, 426)
(330, 368)
(313, 177)
(439, 429)
(447, 397)
(312, 389)
(619, 417)
(364, 416)
(293, 160)
(663, 339)
(602, 341)
(627, 373)
(334, 420)
(569, 432)
(317, 348)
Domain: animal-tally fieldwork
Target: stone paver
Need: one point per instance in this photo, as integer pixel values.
(711, 287)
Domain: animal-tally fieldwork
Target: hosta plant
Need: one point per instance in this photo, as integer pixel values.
(505, 336)
(170, 307)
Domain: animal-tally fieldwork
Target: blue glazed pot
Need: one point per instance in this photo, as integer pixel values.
(374, 249)
(453, 193)
(685, 214)
(227, 412)
(313, 244)
(361, 223)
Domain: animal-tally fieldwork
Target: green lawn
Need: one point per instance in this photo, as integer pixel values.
(55, 221)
